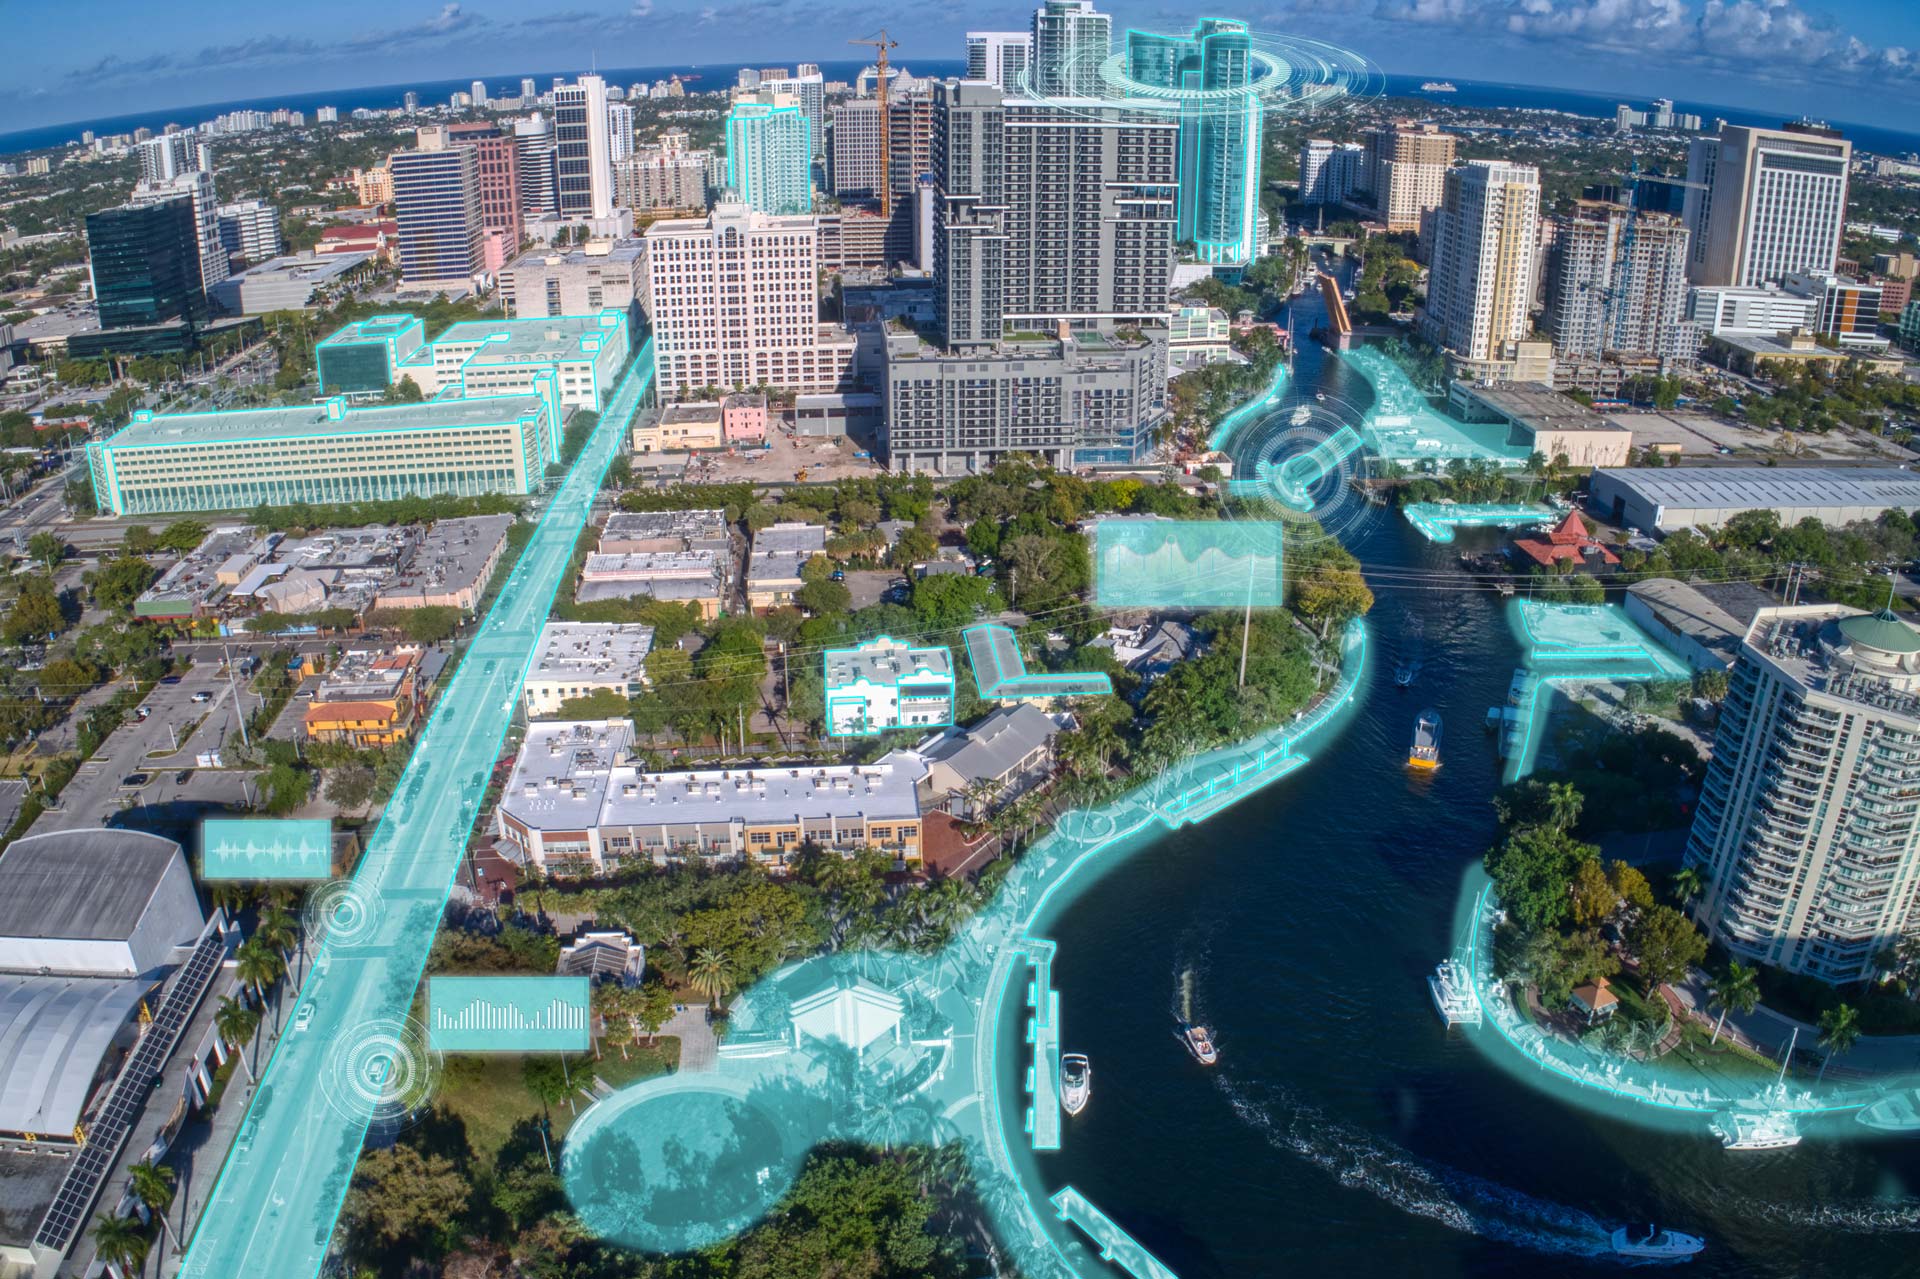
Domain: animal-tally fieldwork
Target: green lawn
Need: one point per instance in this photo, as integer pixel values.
(489, 1096)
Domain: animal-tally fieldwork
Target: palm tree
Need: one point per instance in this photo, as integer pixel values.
(1737, 991)
(153, 1186)
(279, 930)
(235, 1023)
(121, 1243)
(1563, 804)
(610, 1002)
(1687, 883)
(257, 966)
(710, 974)
(1839, 1031)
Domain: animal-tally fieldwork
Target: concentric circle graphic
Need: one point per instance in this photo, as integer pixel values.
(1298, 464)
(382, 1072)
(342, 914)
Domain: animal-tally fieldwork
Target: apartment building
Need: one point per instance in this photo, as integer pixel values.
(1480, 288)
(1611, 293)
(885, 684)
(1768, 202)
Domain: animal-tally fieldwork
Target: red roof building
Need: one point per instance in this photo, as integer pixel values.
(1569, 540)
(380, 238)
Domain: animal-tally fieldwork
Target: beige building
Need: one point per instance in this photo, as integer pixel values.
(600, 275)
(734, 301)
(374, 186)
(1546, 422)
(1768, 203)
(1407, 166)
(1480, 287)
(677, 181)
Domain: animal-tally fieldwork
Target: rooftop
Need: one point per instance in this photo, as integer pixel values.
(1537, 407)
(1751, 488)
(989, 749)
(684, 527)
(557, 337)
(81, 885)
(885, 660)
(1715, 616)
(305, 268)
(330, 417)
(54, 1032)
(452, 558)
(591, 651)
(374, 328)
(780, 549)
(592, 254)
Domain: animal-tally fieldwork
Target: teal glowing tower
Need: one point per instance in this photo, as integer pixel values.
(770, 155)
(1214, 70)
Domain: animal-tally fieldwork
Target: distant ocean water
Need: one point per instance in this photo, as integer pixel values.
(1471, 93)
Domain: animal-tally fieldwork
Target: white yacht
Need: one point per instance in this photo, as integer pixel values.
(1756, 1129)
(1076, 1082)
(1897, 1113)
(1452, 989)
(1654, 1244)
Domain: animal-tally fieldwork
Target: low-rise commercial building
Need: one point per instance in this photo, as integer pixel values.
(599, 276)
(629, 531)
(1545, 422)
(1702, 622)
(291, 283)
(456, 560)
(363, 357)
(697, 577)
(734, 421)
(1680, 497)
(579, 659)
(973, 771)
(885, 684)
(577, 801)
(322, 453)
(774, 562)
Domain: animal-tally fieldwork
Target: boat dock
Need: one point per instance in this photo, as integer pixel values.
(1043, 1032)
(1116, 1245)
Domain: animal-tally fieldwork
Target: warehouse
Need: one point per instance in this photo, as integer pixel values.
(1662, 500)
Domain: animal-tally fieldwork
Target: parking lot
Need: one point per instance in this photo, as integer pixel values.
(821, 458)
(1700, 436)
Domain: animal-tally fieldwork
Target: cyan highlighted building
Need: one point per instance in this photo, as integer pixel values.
(770, 155)
(363, 357)
(885, 684)
(1000, 674)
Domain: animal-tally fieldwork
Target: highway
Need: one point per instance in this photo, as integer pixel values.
(273, 1208)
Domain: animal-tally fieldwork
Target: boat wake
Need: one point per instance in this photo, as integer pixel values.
(1866, 1216)
(1457, 1200)
(1193, 955)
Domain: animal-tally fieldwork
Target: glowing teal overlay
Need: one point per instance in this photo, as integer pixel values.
(1250, 411)
(509, 1014)
(1196, 564)
(1603, 1074)
(1043, 1032)
(1576, 644)
(1404, 426)
(1000, 673)
(1437, 520)
(920, 686)
(894, 1049)
(273, 1207)
(265, 849)
(1116, 1245)
(1292, 480)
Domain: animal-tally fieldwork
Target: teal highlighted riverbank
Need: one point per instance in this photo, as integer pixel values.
(357, 1056)
(1403, 425)
(1437, 520)
(1250, 411)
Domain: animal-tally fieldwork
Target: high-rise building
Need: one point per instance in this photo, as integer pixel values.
(660, 179)
(479, 90)
(250, 229)
(1611, 292)
(1407, 172)
(1070, 43)
(533, 156)
(171, 155)
(1806, 832)
(1768, 202)
(809, 90)
(410, 101)
(197, 186)
(583, 163)
(145, 261)
(529, 92)
(909, 139)
(770, 154)
(326, 115)
(1331, 172)
(734, 300)
(853, 148)
(999, 57)
(619, 131)
(1480, 289)
(1219, 158)
(436, 201)
(498, 156)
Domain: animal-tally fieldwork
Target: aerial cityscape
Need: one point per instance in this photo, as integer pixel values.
(1077, 641)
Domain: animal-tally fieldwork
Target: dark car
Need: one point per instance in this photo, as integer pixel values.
(182, 777)
(169, 679)
(134, 781)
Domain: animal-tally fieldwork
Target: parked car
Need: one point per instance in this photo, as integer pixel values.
(202, 697)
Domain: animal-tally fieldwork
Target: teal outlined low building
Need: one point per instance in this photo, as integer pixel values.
(363, 357)
(885, 684)
(1000, 673)
(328, 452)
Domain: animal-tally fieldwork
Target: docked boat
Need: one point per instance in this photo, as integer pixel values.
(1425, 753)
(1452, 989)
(1199, 1042)
(1756, 1129)
(1076, 1082)
(1519, 686)
(1654, 1244)
(1897, 1113)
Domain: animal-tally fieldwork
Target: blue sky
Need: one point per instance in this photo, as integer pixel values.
(1844, 59)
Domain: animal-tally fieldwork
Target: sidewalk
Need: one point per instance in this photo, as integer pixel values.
(1767, 1032)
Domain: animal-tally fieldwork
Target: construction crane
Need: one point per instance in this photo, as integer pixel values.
(880, 42)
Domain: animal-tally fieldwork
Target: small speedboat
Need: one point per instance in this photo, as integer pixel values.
(1076, 1082)
(1199, 1042)
(1424, 754)
(1654, 1244)
(1897, 1113)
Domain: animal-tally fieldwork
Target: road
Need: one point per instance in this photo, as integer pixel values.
(273, 1209)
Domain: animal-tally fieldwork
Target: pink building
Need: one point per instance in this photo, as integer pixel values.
(743, 419)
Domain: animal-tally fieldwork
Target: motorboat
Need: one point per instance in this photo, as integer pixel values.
(1899, 1112)
(1519, 686)
(1301, 416)
(1654, 1244)
(1425, 752)
(1199, 1042)
(1406, 672)
(1452, 988)
(1756, 1129)
(1076, 1082)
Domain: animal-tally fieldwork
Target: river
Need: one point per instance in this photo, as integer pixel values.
(1345, 1131)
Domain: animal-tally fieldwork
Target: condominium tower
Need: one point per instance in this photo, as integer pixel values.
(1219, 153)
(1617, 283)
(1407, 172)
(1808, 830)
(999, 57)
(1330, 172)
(1769, 202)
(1480, 289)
(583, 149)
(770, 154)
(1070, 43)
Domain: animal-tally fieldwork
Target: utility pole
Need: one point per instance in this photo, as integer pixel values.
(239, 710)
(880, 42)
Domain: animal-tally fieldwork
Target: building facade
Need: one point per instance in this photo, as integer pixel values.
(1219, 147)
(498, 170)
(1331, 172)
(1768, 202)
(1617, 284)
(1480, 289)
(1406, 168)
(599, 276)
(1808, 830)
(681, 182)
(770, 155)
(885, 684)
(582, 150)
(999, 57)
(436, 202)
(145, 264)
(250, 230)
(1070, 41)
(196, 185)
(579, 659)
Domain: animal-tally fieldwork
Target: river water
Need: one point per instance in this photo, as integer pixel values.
(1345, 1131)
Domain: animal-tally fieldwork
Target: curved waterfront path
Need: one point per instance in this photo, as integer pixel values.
(273, 1208)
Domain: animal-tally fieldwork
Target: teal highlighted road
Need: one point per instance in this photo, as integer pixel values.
(351, 1051)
